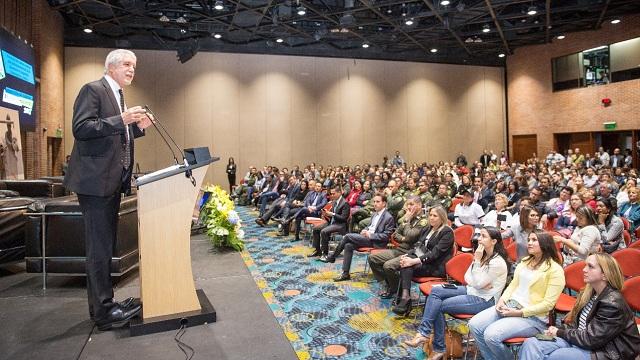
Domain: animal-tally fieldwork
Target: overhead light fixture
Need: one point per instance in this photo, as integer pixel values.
(434, 50)
(181, 20)
(560, 37)
(279, 40)
(218, 5)
(164, 18)
(445, 2)
(615, 21)
(365, 45)
(532, 10)
(468, 40)
(88, 30)
(596, 48)
(217, 36)
(409, 22)
(501, 55)
(486, 28)
(477, 40)
(183, 31)
(301, 10)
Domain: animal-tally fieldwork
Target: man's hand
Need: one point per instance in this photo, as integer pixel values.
(133, 115)
(145, 122)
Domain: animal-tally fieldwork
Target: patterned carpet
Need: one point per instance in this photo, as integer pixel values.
(321, 318)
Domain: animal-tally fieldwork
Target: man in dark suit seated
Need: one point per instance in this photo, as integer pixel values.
(99, 172)
(287, 195)
(375, 235)
(337, 222)
(314, 202)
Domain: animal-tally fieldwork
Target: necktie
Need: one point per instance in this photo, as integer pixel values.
(126, 146)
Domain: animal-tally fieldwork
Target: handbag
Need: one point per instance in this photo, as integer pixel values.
(452, 341)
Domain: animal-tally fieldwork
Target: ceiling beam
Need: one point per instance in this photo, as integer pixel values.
(498, 27)
(447, 26)
(601, 18)
(547, 22)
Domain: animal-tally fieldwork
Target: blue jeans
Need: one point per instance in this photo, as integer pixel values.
(490, 329)
(534, 349)
(264, 200)
(449, 301)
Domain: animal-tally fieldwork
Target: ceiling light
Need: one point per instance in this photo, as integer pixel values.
(218, 5)
(501, 55)
(486, 28)
(615, 21)
(279, 40)
(389, 11)
(164, 18)
(409, 22)
(532, 10)
(434, 50)
(88, 30)
(181, 20)
(445, 2)
(468, 40)
(365, 45)
(217, 36)
(301, 10)
(560, 37)
(477, 40)
(183, 31)
(596, 48)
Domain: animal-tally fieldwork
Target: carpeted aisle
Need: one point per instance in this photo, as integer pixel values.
(323, 319)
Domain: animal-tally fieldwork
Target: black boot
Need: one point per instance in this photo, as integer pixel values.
(403, 307)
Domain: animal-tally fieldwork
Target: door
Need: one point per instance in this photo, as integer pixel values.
(523, 147)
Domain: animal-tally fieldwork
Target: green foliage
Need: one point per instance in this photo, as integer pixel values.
(222, 221)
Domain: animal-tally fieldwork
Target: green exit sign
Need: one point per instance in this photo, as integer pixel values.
(611, 125)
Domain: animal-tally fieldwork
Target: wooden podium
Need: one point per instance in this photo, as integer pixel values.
(166, 199)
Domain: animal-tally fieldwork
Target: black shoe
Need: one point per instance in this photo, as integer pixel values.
(117, 317)
(295, 239)
(403, 307)
(282, 233)
(315, 253)
(125, 304)
(260, 222)
(387, 294)
(328, 259)
(342, 277)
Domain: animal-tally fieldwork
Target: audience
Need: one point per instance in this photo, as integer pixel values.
(610, 225)
(585, 238)
(631, 209)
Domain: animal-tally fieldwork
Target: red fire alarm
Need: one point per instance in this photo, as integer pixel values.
(606, 102)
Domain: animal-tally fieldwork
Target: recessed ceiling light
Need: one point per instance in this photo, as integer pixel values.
(279, 40)
(219, 5)
(409, 22)
(445, 2)
(217, 36)
(501, 55)
(88, 30)
(532, 10)
(486, 28)
(434, 50)
(365, 45)
(615, 21)
(181, 20)
(164, 18)
(560, 37)
(183, 31)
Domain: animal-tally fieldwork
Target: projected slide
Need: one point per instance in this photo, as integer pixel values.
(17, 79)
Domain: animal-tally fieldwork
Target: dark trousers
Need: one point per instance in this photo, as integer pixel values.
(301, 215)
(275, 207)
(322, 235)
(414, 271)
(100, 216)
(349, 243)
(232, 181)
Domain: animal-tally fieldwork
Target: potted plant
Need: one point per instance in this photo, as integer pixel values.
(221, 220)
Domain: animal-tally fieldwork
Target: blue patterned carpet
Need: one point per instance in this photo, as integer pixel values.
(323, 319)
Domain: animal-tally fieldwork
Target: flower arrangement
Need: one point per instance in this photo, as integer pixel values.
(222, 221)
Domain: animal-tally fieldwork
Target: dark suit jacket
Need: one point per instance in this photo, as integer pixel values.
(322, 201)
(341, 213)
(385, 227)
(437, 251)
(95, 167)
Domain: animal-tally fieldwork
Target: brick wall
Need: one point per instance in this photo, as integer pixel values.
(535, 109)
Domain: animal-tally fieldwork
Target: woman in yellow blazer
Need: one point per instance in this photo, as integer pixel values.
(522, 309)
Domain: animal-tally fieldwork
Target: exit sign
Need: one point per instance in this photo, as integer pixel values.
(611, 125)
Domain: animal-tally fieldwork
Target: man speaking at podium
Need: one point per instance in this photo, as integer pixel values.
(99, 172)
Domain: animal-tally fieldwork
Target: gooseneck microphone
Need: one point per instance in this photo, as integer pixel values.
(155, 120)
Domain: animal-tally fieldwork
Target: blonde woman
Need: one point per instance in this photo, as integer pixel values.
(500, 217)
(600, 325)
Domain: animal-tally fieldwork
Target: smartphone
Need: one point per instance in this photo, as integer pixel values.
(449, 286)
(502, 217)
(545, 337)
(513, 304)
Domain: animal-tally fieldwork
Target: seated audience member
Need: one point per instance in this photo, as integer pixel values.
(589, 198)
(465, 185)
(600, 326)
(395, 200)
(483, 195)
(500, 217)
(631, 209)
(585, 238)
(441, 198)
(353, 195)
(386, 263)
(427, 258)
(559, 204)
(590, 178)
(486, 278)
(292, 206)
(287, 195)
(467, 212)
(567, 218)
(529, 221)
(522, 310)
(623, 195)
(314, 202)
(336, 223)
(423, 193)
(375, 235)
(610, 225)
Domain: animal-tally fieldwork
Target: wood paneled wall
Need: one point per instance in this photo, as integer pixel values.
(285, 110)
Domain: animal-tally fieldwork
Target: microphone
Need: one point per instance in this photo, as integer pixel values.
(188, 173)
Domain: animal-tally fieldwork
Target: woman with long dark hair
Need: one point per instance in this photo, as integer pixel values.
(522, 310)
(600, 326)
(610, 225)
(585, 238)
(231, 174)
(486, 278)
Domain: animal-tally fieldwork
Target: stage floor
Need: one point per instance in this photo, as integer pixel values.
(54, 324)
